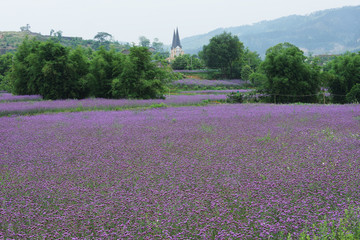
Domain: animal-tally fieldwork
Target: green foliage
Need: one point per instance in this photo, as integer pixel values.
(257, 79)
(235, 97)
(103, 36)
(289, 78)
(104, 67)
(57, 72)
(354, 95)
(246, 72)
(159, 105)
(222, 52)
(46, 68)
(252, 59)
(5, 67)
(347, 228)
(187, 62)
(10, 41)
(144, 42)
(140, 77)
(345, 73)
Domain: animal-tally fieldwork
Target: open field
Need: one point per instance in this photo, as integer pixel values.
(22, 107)
(250, 171)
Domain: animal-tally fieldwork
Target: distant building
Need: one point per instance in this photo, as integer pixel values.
(176, 48)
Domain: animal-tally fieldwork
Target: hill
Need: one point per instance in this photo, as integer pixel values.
(9, 41)
(330, 31)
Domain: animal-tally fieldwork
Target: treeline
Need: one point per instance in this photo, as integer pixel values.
(286, 75)
(58, 72)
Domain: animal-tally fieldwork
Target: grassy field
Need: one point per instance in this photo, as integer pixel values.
(242, 171)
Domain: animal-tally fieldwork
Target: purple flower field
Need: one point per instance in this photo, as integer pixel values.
(98, 103)
(218, 91)
(199, 82)
(242, 171)
(8, 97)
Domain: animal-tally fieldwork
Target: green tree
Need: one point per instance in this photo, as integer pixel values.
(45, 68)
(5, 68)
(187, 62)
(160, 53)
(24, 74)
(252, 59)
(104, 67)
(289, 77)
(246, 72)
(180, 63)
(144, 42)
(345, 73)
(103, 37)
(258, 79)
(354, 95)
(25, 28)
(140, 78)
(222, 52)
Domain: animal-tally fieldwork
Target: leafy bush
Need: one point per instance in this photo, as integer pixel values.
(345, 73)
(354, 95)
(289, 77)
(235, 97)
(57, 72)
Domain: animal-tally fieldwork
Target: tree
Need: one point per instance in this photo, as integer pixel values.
(188, 62)
(354, 95)
(252, 59)
(58, 34)
(25, 28)
(157, 45)
(45, 68)
(246, 72)
(344, 75)
(160, 53)
(140, 78)
(222, 52)
(144, 42)
(257, 79)
(102, 37)
(180, 63)
(289, 77)
(5, 68)
(104, 67)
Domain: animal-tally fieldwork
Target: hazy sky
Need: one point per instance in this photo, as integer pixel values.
(127, 20)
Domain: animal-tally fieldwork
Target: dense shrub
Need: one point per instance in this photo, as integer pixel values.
(289, 78)
(5, 66)
(57, 72)
(354, 95)
(344, 74)
(235, 97)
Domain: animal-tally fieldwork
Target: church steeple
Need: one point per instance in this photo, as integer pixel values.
(176, 40)
(176, 48)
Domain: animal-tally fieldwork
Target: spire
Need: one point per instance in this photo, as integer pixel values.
(178, 38)
(173, 41)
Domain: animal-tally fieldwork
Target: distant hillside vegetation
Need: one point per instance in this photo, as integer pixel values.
(9, 41)
(332, 31)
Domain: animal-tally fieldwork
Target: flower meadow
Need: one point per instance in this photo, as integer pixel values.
(203, 82)
(7, 108)
(217, 91)
(8, 97)
(242, 171)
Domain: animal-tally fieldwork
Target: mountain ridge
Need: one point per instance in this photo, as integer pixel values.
(331, 31)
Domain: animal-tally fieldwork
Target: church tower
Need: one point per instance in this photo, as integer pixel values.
(176, 48)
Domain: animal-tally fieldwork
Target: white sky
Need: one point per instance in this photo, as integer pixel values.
(126, 20)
